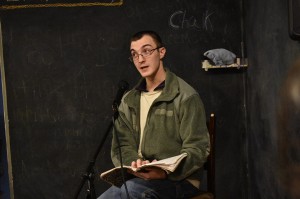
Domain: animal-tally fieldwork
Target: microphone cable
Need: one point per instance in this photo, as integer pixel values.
(123, 87)
(121, 162)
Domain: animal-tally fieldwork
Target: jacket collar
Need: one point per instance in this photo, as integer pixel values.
(169, 92)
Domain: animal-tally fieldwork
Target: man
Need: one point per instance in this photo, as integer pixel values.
(160, 118)
(289, 132)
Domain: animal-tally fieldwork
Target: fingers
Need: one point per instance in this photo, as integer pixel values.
(145, 162)
(138, 163)
(149, 172)
(133, 164)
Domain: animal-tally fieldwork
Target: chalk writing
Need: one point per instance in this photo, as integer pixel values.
(207, 22)
(180, 20)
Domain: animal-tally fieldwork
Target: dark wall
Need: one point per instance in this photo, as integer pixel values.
(62, 66)
(4, 186)
(271, 52)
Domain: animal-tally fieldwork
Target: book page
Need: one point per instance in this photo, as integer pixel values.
(168, 164)
(169, 161)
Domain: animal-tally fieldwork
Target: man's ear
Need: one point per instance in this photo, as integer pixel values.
(162, 52)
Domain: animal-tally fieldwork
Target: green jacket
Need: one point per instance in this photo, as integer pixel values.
(175, 124)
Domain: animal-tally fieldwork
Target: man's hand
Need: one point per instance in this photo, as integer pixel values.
(149, 173)
(139, 163)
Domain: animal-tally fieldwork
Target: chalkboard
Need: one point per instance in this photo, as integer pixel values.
(62, 67)
(18, 4)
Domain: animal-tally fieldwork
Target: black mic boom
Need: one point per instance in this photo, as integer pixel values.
(123, 87)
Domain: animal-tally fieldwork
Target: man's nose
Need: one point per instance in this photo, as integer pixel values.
(142, 58)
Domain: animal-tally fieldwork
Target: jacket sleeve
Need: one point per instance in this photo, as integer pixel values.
(195, 138)
(124, 137)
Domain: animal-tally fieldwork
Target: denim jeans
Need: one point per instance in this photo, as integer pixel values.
(154, 189)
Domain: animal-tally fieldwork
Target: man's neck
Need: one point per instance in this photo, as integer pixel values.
(152, 83)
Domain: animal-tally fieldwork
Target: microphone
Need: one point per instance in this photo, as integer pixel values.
(123, 87)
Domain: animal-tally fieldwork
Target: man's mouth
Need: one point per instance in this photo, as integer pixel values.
(143, 67)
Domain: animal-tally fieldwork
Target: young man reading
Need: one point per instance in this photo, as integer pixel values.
(161, 117)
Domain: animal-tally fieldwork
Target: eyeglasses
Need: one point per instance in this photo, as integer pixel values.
(145, 53)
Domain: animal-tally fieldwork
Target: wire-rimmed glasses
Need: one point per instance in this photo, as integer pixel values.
(144, 53)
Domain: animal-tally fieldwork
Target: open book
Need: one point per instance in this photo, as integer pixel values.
(114, 176)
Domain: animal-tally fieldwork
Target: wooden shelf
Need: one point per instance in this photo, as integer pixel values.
(238, 64)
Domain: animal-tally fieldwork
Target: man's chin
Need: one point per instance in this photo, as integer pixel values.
(144, 74)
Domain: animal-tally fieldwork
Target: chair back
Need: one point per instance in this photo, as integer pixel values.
(209, 165)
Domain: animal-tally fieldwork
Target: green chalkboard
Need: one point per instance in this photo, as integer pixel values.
(62, 67)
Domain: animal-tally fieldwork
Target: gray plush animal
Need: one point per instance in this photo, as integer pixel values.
(220, 56)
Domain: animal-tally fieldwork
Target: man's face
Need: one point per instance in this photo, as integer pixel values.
(147, 65)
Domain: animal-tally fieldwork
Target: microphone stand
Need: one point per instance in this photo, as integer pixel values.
(89, 175)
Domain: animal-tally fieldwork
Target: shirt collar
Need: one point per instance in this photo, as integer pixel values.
(142, 86)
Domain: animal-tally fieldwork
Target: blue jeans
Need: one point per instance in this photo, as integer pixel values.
(154, 189)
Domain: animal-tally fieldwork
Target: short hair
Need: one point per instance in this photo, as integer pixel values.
(155, 36)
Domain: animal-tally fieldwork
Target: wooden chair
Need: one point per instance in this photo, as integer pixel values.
(209, 166)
